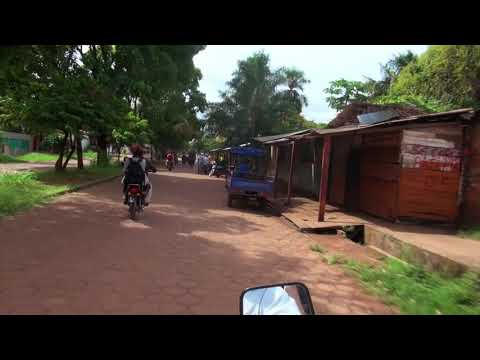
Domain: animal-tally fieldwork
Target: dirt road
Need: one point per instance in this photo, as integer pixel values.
(13, 167)
(189, 254)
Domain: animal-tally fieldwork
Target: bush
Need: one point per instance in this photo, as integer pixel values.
(419, 292)
(22, 191)
(51, 142)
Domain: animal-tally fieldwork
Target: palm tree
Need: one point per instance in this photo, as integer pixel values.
(252, 86)
(295, 80)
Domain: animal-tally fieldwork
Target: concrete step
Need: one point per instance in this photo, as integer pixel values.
(384, 253)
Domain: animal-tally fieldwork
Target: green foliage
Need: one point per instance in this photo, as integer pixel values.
(134, 130)
(470, 233)
(35, 157)
(75, 177)
(51, 142)
(8, 159)
(449, 74)
(443, 78)
(343, 92)
(96, 88)
(206, 143)
(417, 291)
(317, 248)
(22, 191)
(258, 101)
(334, 259)
(418, 101)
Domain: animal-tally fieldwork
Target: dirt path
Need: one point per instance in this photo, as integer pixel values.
(12, 167)
(189, 254)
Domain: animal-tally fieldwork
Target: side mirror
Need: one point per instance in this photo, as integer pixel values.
(277, 299)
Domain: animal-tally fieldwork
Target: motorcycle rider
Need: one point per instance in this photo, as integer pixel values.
(170, 158)
(146, 165)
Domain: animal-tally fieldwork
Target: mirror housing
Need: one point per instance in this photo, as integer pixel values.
(277, 299)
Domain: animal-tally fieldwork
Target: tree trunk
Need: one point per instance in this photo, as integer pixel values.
(252, 123)
(58, 164)
(102, 157)
(78, 141)
(72, 150)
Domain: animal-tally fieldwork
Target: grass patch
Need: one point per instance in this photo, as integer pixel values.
(334, 259)
(9, 159)
(470, 233)
(73, 176)
(38, 157)
(317, 248)
(87, 155)
(419, 292)
(22, 191)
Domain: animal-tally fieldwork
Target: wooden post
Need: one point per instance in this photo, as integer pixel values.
(275, 185)
(327, 143)
(464, 169)
(290, 175)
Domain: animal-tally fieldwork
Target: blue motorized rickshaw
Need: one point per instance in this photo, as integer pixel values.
(247, 178)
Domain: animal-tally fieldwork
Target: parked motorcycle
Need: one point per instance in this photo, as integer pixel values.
(277, 299)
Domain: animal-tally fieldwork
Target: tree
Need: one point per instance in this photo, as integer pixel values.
(47, 94)
(295, 81)
(94, 88)
(343, 92)
(257, 101)
(449, 74)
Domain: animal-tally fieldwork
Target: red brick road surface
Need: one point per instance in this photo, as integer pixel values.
(188, 254)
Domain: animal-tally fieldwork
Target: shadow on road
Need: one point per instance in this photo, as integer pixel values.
(189, 253)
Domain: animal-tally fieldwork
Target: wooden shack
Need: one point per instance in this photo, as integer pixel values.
(420, 167)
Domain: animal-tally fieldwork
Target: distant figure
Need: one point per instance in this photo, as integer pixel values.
(191, 159)
(184, 159)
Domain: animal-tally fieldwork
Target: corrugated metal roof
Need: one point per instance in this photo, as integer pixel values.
(265, 139)
(436, 117)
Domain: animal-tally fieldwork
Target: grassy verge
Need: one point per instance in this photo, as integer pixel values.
(38, 157)
(9, 159)
(73, 176)
(471, 233)
(22, 191)
(412, 289)
(88, 155)
(419, 292)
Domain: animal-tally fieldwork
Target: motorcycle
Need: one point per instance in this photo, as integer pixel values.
(277, 299)
(136, 199)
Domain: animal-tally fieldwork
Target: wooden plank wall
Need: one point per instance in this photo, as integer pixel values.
(304, 170)
(341, 146)
(430, 173)
(379, 173)
(471, 213)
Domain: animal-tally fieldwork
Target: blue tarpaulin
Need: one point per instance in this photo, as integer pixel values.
(247, 151)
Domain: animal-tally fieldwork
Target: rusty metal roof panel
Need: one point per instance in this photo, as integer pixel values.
(435, 117)
(268, 139)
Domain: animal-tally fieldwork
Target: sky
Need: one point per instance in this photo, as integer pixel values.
(320, 63)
